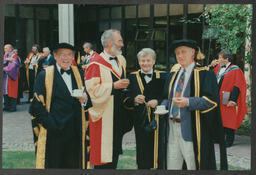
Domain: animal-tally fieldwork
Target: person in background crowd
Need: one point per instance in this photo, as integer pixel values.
(47, 60)
(31, 63)
(89, 53)
(232, 91)
(145, 88)
(104, 80)
(20, 78)
(10, 79)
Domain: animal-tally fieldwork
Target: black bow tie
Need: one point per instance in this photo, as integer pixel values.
(67, 71)
(149, 75)
(111, 58)
(223, 66)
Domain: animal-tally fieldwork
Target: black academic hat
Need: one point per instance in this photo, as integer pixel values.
(64, 46)
(189, 43)
(184, 42)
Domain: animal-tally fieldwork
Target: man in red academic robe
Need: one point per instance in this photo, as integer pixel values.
(104, 80)
(232, 92)
(31, 63)
(10, 83)
(89, 53)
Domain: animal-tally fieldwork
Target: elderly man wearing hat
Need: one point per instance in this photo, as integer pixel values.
(190, 94)
(58, 117)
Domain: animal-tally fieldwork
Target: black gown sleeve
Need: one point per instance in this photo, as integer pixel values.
(37, 108)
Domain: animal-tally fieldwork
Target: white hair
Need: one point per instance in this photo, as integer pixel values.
(108, 35)
(10, 46)
(146, 51)
(46, 49)
(87, 45)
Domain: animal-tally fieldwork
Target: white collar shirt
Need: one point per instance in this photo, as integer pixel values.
(33, 62)
(67, 79)
(221, 71)
(91, 53)
(188, 72)
(147, 78)
(112, 62)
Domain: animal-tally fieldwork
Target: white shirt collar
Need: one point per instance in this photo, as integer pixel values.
(91, 52)
(227, 65)
(48, 56)
(189, 68)
(108, 56)
(58, 67)
(150, 72)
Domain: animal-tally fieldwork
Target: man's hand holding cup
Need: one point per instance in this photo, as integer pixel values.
(180, 102)
(121, 84)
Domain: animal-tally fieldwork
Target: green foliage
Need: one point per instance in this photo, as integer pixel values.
(232, 23)
(245, 128)
(160, 67)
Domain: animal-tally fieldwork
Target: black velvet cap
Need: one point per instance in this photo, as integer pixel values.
(184, 42)
(64, 46)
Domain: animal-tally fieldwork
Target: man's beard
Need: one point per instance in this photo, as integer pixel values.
(115, 50)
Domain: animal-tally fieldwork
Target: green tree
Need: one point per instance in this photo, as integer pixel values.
(233, 25)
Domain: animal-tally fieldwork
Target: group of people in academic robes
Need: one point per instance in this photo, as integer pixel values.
(87, 130)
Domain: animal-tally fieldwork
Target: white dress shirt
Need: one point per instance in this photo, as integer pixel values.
(188, 71)
(33, 61)
(221, 71)
(112, 62)
(147, 78)
(91, 53)
(67, 79)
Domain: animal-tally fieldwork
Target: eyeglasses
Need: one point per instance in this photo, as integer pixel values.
(70, 55)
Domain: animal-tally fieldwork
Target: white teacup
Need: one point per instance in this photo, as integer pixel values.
(77, 93)
(160, 108)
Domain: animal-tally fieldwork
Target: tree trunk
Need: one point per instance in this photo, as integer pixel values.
(247, 72)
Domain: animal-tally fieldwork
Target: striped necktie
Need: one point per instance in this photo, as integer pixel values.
(178, 91)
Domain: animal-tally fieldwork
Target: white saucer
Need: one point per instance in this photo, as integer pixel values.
(161, 112)
(77, 96)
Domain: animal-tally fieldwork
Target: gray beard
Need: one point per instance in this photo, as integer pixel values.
(115, 51)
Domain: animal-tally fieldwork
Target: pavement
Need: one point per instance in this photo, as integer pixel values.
(17, 135)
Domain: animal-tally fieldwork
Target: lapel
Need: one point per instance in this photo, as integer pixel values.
(189, 84)
(172, 82)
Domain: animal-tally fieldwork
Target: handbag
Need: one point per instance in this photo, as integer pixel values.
(149, 122)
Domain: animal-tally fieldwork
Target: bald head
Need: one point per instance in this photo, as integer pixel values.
(8, 48)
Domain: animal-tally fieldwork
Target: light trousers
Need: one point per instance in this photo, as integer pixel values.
(178, 149)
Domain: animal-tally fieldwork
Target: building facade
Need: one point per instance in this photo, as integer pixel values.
(141, 25)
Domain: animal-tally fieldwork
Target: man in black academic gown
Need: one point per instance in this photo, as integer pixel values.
(145, 88)
(58, 118)
(190, 95)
